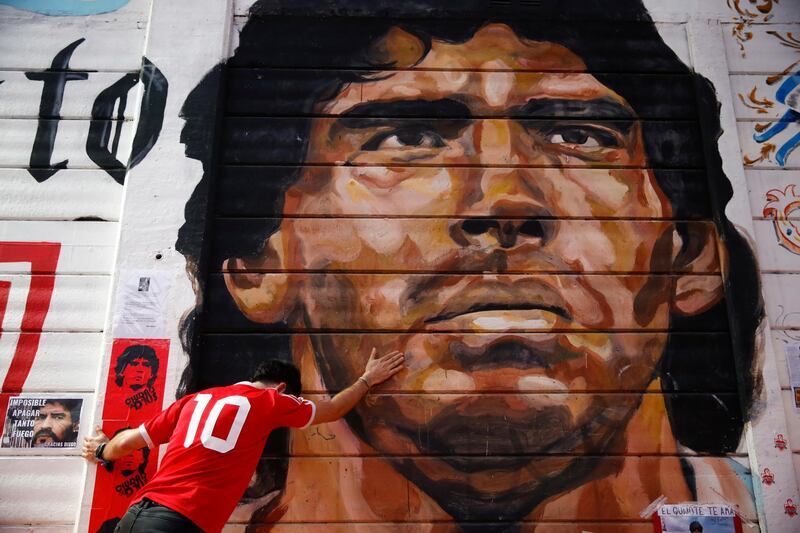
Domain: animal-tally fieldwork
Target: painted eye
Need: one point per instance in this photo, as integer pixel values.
(584, 137)
(579, 138)
(405, 139)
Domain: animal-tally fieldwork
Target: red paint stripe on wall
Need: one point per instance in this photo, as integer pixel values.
(5, 288)
(43, 258)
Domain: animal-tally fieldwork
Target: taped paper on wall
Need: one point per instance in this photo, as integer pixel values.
(141, 307)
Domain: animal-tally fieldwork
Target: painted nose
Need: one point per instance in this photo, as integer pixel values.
(495, 142)
(507, 233)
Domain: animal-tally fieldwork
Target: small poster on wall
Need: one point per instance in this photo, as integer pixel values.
(136, 379)
(697, 518)
(42, 422)
(792, 352)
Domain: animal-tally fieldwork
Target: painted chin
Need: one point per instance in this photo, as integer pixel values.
(518, 397)
(505, 362)
(508, 490)
(495, 432)
(467, 430)
(487, 467)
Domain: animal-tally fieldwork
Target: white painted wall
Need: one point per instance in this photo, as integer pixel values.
(78, 207)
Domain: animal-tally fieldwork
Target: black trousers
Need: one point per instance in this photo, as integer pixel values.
(148, 516)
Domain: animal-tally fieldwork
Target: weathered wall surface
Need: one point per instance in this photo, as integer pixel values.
(535, 209)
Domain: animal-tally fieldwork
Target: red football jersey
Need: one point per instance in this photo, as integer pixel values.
(215, 441)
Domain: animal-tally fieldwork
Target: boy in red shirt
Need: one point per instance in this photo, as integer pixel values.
(216, 438)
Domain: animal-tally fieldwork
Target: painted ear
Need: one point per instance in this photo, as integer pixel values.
(281, 387)
(702, 261)
(261, 294)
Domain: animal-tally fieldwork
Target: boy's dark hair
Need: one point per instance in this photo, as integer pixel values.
(276, 371)
(695, 526)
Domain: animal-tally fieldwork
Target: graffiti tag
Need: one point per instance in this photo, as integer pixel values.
(100, 147)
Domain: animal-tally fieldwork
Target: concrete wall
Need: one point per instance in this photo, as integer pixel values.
(111, 176)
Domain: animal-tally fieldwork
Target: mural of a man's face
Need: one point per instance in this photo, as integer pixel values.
(53, 424)
(137, 373)
(546, 208)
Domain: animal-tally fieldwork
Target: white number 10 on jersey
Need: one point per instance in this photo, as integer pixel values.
(206, 438)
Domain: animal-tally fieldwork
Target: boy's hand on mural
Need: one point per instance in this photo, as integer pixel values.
(379, 369)
(90, 444)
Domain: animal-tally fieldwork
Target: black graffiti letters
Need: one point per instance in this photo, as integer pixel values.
(97, 145)
(105, 128)
(151, 118)
(54, 78)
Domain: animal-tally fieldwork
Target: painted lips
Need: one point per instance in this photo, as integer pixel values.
(484, 305)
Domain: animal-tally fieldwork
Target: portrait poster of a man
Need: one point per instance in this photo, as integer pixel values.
(531, 210)
(134, 393)
(42, 422)
(137, 374)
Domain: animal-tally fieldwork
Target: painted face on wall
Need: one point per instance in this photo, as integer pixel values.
(52, 424)
(515, 195)
(137, 373)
